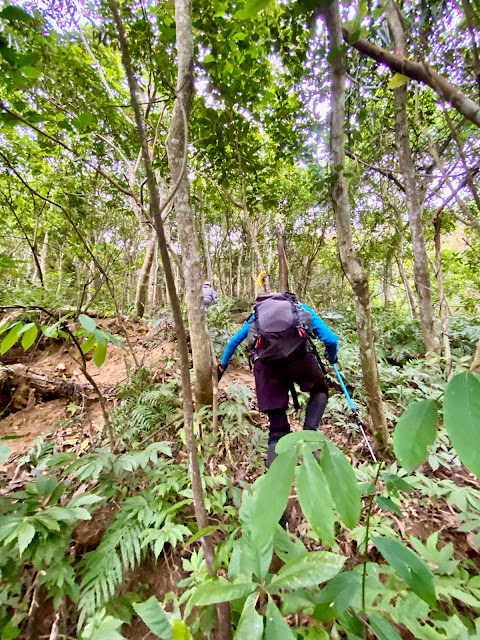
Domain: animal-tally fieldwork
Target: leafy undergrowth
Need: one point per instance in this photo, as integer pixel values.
(89, 536)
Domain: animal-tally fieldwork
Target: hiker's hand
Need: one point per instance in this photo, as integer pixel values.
(331, 361)
(220, 370)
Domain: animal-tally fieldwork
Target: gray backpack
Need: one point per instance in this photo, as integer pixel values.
(278, 328)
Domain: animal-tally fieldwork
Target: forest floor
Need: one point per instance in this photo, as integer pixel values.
(56, 418)
(75, 425)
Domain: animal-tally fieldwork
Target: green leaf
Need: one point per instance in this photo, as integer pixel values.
(29, 337)
(87, 323)
(10, 631)
(99, 354)
(154, 617)
(392, 482)
(31, 72)
(207, 531)
(251, 8)
(250, 625)
(220, 591)
(415, 431)
(383, 629)
(51, 332)
(4, 453)
(387, 504)
(342, 482)
(287, 546)
(314, 496)
(337, 595)
(180, 630)
(15, 13)
(293, 440)
(275, 627)
(10, 339)
(308, 571)
(461, 416)
(25, 533)
(409, 566)
(88, 344)
(398, 80)
(271, 497)
(83, 121)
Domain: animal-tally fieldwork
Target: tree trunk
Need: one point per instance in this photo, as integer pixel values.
(155, 286)
(177, 144)
(44, 254)
(341, 205)
(59, 271)
(239, 272)
(437, 225)
(141, 297)
(420, 71)
(222, 610)
(420, 260)
(408, 289)
(206, 248)
(282, 260)
(387, 276)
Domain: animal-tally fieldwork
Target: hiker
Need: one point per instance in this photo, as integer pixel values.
(209, 295)
(279, 333)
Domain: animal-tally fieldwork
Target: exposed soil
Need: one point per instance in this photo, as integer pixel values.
(27, 414)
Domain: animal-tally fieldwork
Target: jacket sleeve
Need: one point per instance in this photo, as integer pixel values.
(323, 333)
(233, 343)
(214, 297)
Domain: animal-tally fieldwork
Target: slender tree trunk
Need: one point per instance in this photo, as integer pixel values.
(155, 286)
(408, 289)
(223, 617)
(44, 253)
(282, 260)
(141, 296)
(206, 248)
(177, 143)
(239, 272)
(59, 271)
(437, 225)
(387, 276)
(341, 205)
(420, 260)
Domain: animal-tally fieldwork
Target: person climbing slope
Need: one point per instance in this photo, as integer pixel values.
(279, 334)
(209, 295)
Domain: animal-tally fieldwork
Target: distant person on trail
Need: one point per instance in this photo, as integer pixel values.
(209, 295)
(279, 333)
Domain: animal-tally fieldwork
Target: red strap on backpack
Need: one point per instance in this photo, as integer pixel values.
(301, 331)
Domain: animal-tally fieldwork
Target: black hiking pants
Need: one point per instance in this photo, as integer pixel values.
(273, 381)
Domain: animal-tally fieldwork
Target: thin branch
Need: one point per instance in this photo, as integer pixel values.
(113, 182)
(388, 173)
(30, 244)
(420, 72)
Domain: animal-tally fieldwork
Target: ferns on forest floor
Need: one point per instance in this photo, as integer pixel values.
(145, 406)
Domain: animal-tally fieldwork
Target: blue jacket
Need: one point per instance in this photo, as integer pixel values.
(319, 328)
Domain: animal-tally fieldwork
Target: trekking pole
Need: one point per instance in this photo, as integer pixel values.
(354, 411)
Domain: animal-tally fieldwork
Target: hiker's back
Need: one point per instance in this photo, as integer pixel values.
(279, 328)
